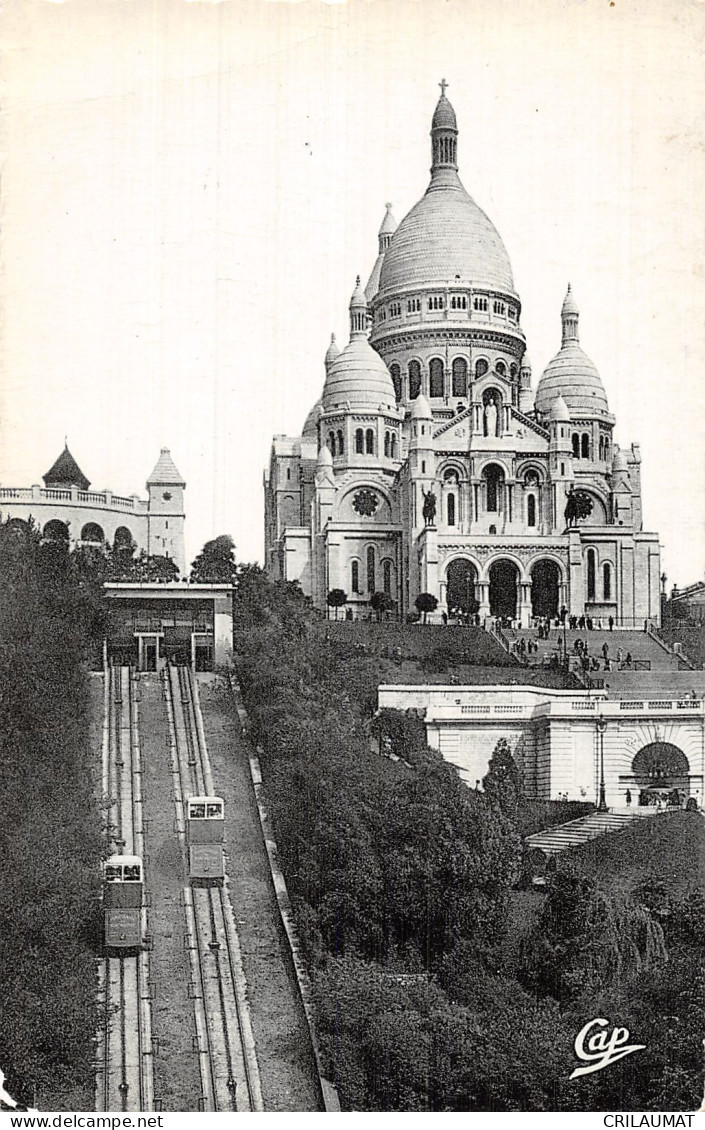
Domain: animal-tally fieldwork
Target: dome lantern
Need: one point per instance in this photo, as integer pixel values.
(444, 134)
(569, 317)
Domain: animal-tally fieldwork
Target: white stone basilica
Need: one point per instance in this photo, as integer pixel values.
(429, 466)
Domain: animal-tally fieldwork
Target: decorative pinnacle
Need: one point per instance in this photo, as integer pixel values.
(443, 84)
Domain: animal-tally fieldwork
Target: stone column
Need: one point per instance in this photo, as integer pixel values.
(524, 603)
(483, 595)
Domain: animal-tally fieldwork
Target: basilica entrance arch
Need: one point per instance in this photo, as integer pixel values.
(660, 767)
(545, 581)
(461, 579)
(504, 579)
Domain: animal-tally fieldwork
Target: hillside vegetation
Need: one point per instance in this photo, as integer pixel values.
(402, 879)
(50, 837)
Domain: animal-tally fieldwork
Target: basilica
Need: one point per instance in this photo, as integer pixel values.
(431, 463)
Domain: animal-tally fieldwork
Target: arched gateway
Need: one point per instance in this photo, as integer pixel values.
(660, 767)
(461, 578)
(545, 580)
(504, 578)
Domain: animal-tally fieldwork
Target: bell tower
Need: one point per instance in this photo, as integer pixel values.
(166, 512)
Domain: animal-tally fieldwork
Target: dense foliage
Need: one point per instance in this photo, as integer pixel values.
(215, 564)
(50, 839)
(403, 881)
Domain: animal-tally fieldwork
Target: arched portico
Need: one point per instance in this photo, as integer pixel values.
(504, 588)
(545, 588)
(461, 586)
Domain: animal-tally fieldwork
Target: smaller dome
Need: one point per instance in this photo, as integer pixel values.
(444, 115)
(311, 425)
(559, 411)
(421, 409)
(325, 459)
(570, 306)
(358, 379)
(619, 463)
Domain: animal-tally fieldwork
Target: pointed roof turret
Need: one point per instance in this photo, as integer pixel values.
(386, 231)
(358, 312)
(165, 472)
(332, 351)
(65, 473)
(569, 317)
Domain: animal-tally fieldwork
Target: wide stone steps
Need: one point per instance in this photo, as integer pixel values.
(575, 832)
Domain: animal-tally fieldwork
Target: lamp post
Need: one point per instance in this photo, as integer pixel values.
(601, 727)
(563, 615)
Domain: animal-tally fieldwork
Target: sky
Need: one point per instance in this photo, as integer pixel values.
(190, 188)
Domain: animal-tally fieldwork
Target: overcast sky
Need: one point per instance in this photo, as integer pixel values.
(189, 189)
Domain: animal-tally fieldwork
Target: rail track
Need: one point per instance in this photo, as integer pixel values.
(125, 1080)
(225, 1043)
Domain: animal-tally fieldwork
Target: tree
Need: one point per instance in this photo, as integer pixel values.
(426, 602)
(381, 602)
(215, 564)
(337, 598)
(502, 784)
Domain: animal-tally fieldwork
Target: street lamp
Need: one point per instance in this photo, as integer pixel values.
(563, 615)
(601, 727)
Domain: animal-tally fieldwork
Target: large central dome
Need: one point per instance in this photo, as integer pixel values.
(446, 238)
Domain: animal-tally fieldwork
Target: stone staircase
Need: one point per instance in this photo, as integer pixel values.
(563, 836)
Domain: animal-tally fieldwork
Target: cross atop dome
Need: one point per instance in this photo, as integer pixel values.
(443, 84)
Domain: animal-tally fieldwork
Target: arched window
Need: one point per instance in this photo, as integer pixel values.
(393, 446)
(369, 442)
(481, 367)
(591, 574)
(370, 569)
(123, 538)
(501, 368)
(607, 581)
(341, 443)
(414, 379)
(513, 371)
(288, 474)
(531, 510)
(585, 446)
(387, 445)
(355, 576)
(359, 441)
(436, 381)
(93, 533)
(576, 445)
(56, 531)
(387, 576)
(331, 442)
(460, 376)
(451, 509)
(395, 371)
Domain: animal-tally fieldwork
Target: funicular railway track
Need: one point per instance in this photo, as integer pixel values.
(227, 1059)
(125, 1074)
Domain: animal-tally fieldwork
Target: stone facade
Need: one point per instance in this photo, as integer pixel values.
(429, 464)
(559, 738)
